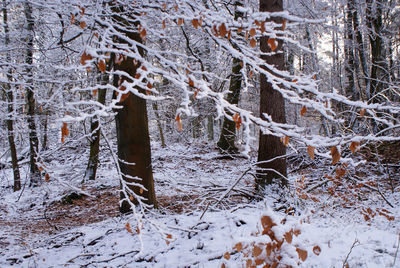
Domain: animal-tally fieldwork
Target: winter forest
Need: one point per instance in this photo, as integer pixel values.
(200, 133)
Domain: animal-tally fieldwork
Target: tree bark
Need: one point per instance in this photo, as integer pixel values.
(273, 104)
(226, 142)
(33, 139)
(93, 163)
(132, 128)
(10, 104)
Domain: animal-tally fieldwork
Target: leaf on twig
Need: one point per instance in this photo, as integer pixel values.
(335, 155)
(354, 146)
(310, 151)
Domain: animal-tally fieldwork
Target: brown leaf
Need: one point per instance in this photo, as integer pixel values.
(272, 43)
(227, 256)
(191, 83)
(180, 21)
(143, 34)
(238, 247)
(303, 111)
(310, 151)
(362, 112)
(47, 177)
(149, 85)
(94, 92)
(64, 132)
(253, 42)
(284, 24)
(262, 27)
(196, 23)
(164, 6)
(222, 30)
(354, 146)
(288, 237)
(163, 24)
(252, 32)
(85, 57)
(128, 228)
(316, 250)
(256, 251)
(102, 66)
(302, 254)
(340, 171)
(335, 155)
(267, 222)
(82, 24)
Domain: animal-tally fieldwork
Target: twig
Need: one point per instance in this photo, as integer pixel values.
(226, 192)
(397, 250)
(348, 254)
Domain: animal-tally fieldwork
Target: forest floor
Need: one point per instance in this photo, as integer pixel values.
(329, 216)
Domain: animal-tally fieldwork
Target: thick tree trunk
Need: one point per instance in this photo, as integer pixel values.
(33, 139)
(273, 104)
(350, 66)
(132, 130)
(10, 104)
(226, 142)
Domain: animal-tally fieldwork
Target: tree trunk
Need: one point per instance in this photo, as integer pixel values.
(374, 23)
(273, 104)
(226, 142)
(33, 139)
(10, 104)
(350, 66)
(132, 129)
(93, 163)
(159, 125)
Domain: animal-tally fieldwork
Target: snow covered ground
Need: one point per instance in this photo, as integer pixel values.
(40, 228)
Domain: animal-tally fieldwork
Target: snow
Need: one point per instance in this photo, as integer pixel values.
(187, 178)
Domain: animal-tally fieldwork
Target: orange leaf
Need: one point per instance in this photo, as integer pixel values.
(143, 33)
(82, 24)
(163, 24)
(354, 146)
(102, 66)
(284, 24)
(137, 230)
(128, 227)
(180, 21)
(253, 42)
(286, 141)
(251, 74)
(310, 151)
(47, 177)
(178, 119)
(362, 112)
(238, 247)
(238, 123)
(72, 18)
(137, 76)
(149, 85)
(191, 83)
(316, 250)
(94, 92)
(272, 43)
(252, 32)
(227, 256)
(64, 132)
(164, 6)
(335, 155)
(176, 8)
(303, 111)
(302, 254)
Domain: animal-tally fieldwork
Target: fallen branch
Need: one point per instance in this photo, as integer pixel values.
(348, 254)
